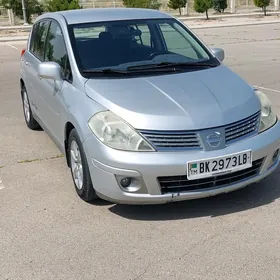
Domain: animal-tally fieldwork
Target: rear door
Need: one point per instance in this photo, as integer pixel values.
(32, 59)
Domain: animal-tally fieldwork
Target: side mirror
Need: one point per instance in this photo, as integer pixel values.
(49, 71)
(219, 53)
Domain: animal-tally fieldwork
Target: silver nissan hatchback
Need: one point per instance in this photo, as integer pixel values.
(142, 109)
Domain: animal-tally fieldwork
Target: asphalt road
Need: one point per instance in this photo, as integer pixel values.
(47, 232)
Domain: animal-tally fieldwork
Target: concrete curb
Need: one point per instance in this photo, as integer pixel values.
(13, 39)
(17, 27)
(202, 26)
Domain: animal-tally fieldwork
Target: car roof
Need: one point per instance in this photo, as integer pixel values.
(108, 14)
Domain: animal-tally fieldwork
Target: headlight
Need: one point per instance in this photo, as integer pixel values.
(268, 118)
(116, 134)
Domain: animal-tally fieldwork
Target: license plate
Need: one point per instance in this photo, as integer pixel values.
(220, 165)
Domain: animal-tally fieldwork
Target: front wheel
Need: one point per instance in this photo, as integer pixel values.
(28, 116)
(79, 168)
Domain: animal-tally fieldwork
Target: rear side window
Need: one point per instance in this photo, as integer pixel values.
(38, 39)
(56, 50)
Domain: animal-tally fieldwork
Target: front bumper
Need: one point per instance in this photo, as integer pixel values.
(106, 163)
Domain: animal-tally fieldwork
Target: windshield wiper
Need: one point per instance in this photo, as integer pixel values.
(105, 71)
(170, 64)
(153, 67)
(128, 71)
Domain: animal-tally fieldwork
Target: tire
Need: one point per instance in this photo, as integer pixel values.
(28, 116)
(79, 168)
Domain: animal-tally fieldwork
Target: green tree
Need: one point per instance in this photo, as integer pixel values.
(202, 6)
(148, 4)
(262, 4)
(62, 5)
(32, 7)
(220, 5)
(177, 4)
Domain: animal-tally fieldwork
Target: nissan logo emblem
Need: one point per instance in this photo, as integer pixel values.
(214, 139)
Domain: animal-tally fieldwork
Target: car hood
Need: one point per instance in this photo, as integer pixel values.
(184, 101)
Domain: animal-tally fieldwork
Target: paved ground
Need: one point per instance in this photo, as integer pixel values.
(47, 232)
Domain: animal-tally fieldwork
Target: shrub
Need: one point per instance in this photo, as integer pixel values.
(219, 5)
(262, 4)
(62, 5)
(148, 4)
(177, 4)
(202, 6)
(31, 6)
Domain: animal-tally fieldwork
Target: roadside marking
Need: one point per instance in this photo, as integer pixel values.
(270, 89)
(12, 46)
(1, 185)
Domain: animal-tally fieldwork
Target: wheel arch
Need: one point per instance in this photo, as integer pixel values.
(68, 128)
(22, 84)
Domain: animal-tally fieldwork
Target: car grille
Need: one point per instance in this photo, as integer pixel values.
(241, 129)
(170, 140)
(174, 184)
(189, 140)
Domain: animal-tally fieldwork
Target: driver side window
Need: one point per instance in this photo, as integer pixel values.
(56, 51)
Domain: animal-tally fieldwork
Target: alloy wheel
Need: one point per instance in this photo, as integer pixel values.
(26, 107)
(76, 165)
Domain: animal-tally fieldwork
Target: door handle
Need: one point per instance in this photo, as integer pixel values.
(26, 63)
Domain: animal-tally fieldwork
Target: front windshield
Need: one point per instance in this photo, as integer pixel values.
(126, 44)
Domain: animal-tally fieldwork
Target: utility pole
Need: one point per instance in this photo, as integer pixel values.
(24, 12)
(276, 5)
(232, 6)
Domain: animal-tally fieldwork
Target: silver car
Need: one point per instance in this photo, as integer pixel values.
(142, 109)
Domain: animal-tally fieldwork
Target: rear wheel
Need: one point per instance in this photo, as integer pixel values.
(28, 116)
(79, 168)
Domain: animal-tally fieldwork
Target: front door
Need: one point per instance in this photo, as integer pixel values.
(55, 107)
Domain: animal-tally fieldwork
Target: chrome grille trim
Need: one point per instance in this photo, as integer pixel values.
(242, 129)
(190, 140)
(170, 140)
